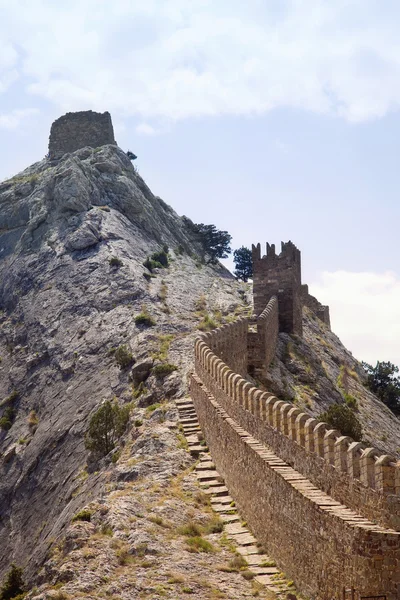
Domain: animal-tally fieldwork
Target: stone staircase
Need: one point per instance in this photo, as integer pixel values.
(260, 564)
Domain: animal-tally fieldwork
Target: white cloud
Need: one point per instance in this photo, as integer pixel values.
(173, 59)
(13, 119)
(145, 129)
(365, 312)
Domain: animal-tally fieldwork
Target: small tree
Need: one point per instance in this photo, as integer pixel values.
(106, 426)
(341, 417)
(243, 263)
(131, 156)
(13, 584)
(381, 380)
(214, 241)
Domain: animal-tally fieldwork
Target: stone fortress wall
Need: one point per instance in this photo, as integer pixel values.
(326, 507)
(80, 129)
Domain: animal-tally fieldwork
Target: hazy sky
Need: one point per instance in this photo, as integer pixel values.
(273, 119)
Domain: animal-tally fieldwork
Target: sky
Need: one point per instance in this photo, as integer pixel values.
(272, 119)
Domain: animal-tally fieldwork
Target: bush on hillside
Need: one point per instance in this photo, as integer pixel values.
(13, 585)
(163, 369)
(123, 357)
(342, 417)
(144, 318)
(383, 382)
(105, 427)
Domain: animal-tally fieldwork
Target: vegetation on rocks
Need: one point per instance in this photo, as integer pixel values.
(158, 260)
(216, 243)
(383, 382)
(13, 586)
(106, 426)
(342, 417)
(163, 369)
(123, 357)
(145, 318)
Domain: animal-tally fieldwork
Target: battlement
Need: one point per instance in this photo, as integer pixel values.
(279, 275)
(300, 484)
(77, 130)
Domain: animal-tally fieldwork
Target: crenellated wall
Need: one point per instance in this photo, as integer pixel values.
(340, 523)
(230, 343)
(262, 338)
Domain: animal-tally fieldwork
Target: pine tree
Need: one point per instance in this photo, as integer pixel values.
(216, 243)
(13, 584)
(243, 263)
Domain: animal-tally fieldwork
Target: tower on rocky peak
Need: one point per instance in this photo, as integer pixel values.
(76, 130)
(279, 275)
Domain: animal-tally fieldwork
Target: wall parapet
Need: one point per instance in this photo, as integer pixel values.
(262, 341)
(361, 477)
(319, 542)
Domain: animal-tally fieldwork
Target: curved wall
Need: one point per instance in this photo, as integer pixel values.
(339, 524)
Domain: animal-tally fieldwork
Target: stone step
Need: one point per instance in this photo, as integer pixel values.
(264, 570)
(228, 518)
(225, 499)
(243, 539)
(218, 490)
(195, 450)
(204, 475)
(180, 401)
(236, 528)
(257, 560)
(222, 508)
(205, 466)
(247, 550)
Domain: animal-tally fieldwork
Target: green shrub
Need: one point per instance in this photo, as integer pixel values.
(115, 262)
(13, 585)
(152, 264)
(161, 257)
(82, 515)
(191, 529)
(351, 401)
(163, 369)
(158, 260)
(10, 399)
(123, 357)
(199, 544)
(106, 426)
(342, 417)
(144, 318)
(214, 526)
(207, 323)
(7, 419)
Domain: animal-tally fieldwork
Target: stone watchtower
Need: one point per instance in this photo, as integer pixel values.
(79, 129)
(279, 275)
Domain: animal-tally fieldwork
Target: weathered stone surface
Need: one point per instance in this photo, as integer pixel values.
(63, 310)
(76, 130)
(141, 370)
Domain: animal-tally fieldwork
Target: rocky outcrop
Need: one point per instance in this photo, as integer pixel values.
(73, 239)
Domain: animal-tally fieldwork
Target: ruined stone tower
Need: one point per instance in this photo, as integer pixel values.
(279, 275)
(79, 129)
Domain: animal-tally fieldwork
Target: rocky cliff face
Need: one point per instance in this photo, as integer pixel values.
(74, 235)
(65, 307)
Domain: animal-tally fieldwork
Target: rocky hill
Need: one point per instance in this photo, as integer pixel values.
(83, 320)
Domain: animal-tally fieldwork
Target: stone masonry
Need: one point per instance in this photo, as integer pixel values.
(279, 275)
(79, 129)
(327, 508)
